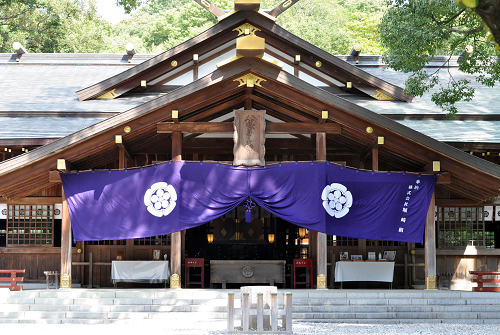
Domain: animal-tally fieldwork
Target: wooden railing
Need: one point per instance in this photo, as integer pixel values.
(13, 279)
(274, 312)
(480, 281)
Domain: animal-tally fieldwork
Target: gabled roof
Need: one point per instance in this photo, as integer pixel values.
(284, 96)
(225, 31)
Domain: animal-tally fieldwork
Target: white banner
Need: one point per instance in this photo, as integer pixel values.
(3, 211)
(488, 213)
(497, 211)
(58, 211)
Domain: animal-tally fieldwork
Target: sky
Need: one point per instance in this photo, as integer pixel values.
(109, 11)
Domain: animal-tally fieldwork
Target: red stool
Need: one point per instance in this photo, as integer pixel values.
(303, 263)
(194, 263)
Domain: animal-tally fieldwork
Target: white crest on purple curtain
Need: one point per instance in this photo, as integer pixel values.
(336, 200)
(160, 199)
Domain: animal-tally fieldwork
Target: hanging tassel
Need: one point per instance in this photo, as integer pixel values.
(249, 204)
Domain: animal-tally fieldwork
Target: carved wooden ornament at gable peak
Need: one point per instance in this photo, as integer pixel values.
(249, 138)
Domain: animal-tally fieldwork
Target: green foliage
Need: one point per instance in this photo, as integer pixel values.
(336, 25)
(51, 25)
(160, 26)
(414, 32)
(333, 25)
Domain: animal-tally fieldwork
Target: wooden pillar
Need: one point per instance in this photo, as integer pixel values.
(121, 158)
(248, 100)
(176, 238)
(320, 238)
(430, 247)
(375, 159)
(195, 67)
(129, 243)
(65, 245)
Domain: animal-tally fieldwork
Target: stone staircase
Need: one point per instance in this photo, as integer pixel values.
(398, 306)
(96, 306)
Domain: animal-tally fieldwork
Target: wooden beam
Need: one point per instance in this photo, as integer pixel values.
(126, 151)
(63, 165)
(321, 146)
(282, 7)
(123, 151)
(163, 79)
(227, 127)
(297, 69)
(33, 200)
(54, 176)
(195, 67)
(375, 159)
(210, 7)
(369, 151)
(302, 128)
(323, 118)
(163, 65)
(444, 178)
(282, 110)
(176, 146)
(456, 203)
(246, 5)
(248, 101)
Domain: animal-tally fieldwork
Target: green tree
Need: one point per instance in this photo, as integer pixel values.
(416, 31)
(51, 25)
(333, 25)
(160, 26)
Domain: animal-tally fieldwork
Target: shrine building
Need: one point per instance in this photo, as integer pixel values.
(262, 151)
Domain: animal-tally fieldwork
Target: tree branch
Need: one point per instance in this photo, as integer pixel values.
(449, 20)
(15, 15)
(478, 29)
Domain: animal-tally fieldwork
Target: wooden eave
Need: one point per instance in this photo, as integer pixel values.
(161, 64)
(220, 34)
(219, 93)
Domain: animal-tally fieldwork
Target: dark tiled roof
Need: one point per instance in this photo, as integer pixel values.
(47, 83)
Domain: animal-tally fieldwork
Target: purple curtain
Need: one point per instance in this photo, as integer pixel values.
(170, 197)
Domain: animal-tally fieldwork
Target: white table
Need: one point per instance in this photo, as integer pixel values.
(364, 271)
(140, 271)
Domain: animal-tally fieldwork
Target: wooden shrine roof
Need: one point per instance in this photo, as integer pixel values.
(285, 97)
(226, 31)
(53, 107)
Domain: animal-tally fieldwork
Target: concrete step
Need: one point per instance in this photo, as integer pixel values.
(402, 321)
(91, 306)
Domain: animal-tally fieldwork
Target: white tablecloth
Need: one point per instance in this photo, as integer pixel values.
(364, 271)
(137, 271)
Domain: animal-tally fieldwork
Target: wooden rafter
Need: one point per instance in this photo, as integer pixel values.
(211, 8)
(294, 100)
(222, 33)
(228, 128)
(278, 10)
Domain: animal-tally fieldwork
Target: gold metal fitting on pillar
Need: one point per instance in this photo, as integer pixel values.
(65, 280)
(175, 281)
(321, 282)
(431, 282)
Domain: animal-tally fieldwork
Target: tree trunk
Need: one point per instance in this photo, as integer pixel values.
(489, 11)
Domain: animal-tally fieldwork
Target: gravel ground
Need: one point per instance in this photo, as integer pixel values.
(218, 327)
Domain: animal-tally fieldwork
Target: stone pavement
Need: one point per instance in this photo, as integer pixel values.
(218, 327)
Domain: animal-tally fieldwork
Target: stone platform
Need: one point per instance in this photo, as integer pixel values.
(98, 306)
